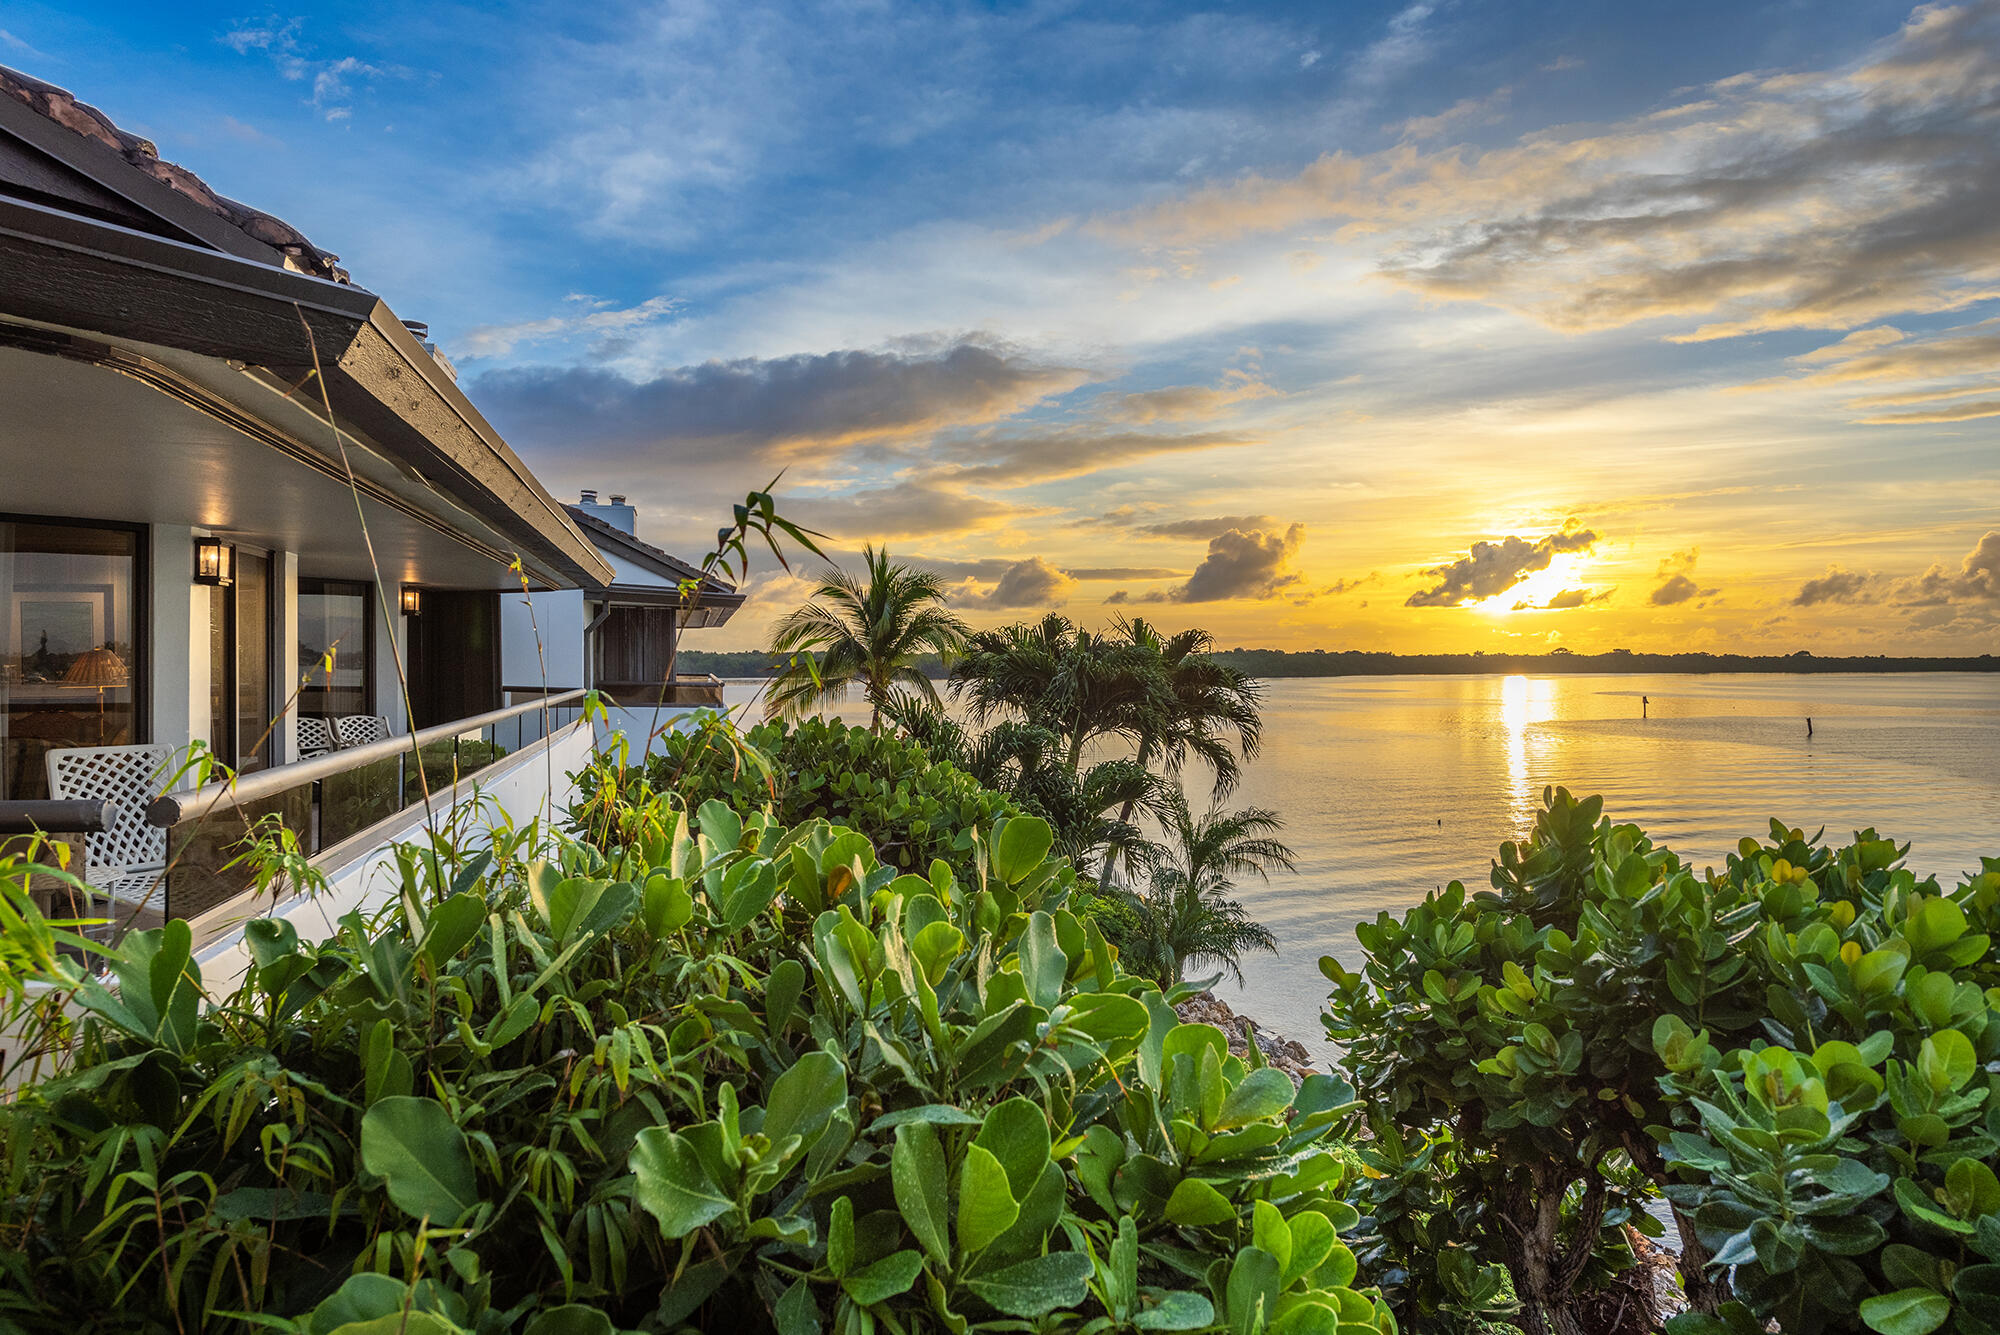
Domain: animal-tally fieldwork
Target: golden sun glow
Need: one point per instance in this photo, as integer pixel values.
(1536, 591)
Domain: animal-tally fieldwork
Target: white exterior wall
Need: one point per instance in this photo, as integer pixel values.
(557, 620)
(641, 576)
(388, 662)
(177, 648)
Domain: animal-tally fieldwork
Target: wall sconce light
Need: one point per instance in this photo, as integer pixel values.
(412, 602)
(214, 563)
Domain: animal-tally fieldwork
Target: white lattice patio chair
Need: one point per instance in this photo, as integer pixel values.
(125, 861)
(315, 736)
(360, 729)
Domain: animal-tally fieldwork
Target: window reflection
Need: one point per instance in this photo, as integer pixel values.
(333, 618)
(69, 665)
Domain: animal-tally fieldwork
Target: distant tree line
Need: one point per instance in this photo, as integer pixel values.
(1360, 663)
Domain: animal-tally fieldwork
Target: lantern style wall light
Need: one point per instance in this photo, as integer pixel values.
(214, 563)
(412, 601)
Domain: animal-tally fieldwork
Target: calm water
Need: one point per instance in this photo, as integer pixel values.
(1391, 787)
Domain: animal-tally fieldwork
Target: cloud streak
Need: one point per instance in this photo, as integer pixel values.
(1812, 199)
(1567, 600)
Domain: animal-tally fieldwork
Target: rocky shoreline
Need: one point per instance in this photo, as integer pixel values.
(1287, 1055)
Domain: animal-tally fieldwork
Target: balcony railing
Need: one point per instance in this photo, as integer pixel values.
(334, 797)
(29, 829)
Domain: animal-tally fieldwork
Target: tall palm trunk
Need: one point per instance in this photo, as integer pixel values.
(1111, 856)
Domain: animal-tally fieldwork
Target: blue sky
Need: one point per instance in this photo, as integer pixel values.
(1316, 324)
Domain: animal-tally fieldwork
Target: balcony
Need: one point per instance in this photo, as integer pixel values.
(343, 808)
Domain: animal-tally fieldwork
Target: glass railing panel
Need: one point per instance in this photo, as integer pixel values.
(352, 801)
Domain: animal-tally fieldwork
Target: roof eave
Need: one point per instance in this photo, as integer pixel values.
(64, 269)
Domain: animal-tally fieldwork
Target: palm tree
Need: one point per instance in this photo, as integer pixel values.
(1027, 762)
(1203, 701)
(1077, 685)
(870, 635)
(1186, 914)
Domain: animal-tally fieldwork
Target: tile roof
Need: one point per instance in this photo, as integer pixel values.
(60, 106)
(595, 528)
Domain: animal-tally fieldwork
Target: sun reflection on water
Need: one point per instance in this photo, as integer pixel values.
(1524, 702)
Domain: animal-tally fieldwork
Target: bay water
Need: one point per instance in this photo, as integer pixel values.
(1391, 787)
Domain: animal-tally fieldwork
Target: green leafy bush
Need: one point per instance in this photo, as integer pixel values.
(1846, 1169)
(912, 808)
(1526, 1056)
(1492, 1037)
(728, 1076)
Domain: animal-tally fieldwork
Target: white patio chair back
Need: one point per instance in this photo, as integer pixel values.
(128, 777)
(315, 736)
(360, 729)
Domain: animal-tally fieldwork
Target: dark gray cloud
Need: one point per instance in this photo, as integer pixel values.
(988, 568)
(1030, 583)
(1566, 600)
(1838, 585)
(1004, 458)
(898, 510)
(1977, 579)
(1678, 585)
(1241, 564)
(747, 412)
(1678, 588)
(1974, 583)
(1142, 522)
(1492, 568)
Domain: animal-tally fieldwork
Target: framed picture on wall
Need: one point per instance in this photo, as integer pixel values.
(52, 626)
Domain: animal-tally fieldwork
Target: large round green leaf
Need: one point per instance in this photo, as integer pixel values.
(1036, 1287)
(672, 1186)
(918, 1176)
(419, 1152)
(1906, 1311)
(570, 1319)
(1024, 841)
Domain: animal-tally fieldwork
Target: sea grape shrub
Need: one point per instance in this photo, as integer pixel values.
(912, 808)
(1477, 1056)
(1562, 1032)
(1846, 1168)
(1514, 1026)
(729, 1076)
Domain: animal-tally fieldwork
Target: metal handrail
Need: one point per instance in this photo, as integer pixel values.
(170, 809)
(59, 815)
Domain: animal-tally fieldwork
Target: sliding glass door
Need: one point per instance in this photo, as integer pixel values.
(239, 665)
